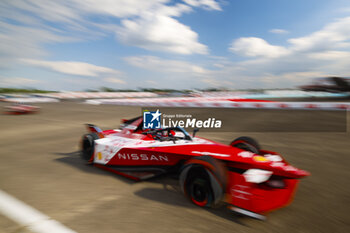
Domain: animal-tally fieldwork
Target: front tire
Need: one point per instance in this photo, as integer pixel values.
(88, 145)
(198, 187)
(203, 180)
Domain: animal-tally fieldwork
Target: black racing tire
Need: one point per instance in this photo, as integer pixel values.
(88, 145)
(203, 180)
(198, 187)
(246, 143)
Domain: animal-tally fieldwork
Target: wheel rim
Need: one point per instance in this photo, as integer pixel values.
(199, 191)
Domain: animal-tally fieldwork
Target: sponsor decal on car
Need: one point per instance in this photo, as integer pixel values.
(274, 158)
(260, 158)
(135, 156)
(240, 192)
(210, 153)
(246, 154)
(277, 164)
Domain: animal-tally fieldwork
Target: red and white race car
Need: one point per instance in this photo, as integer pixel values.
(21, 109)
(250, 180)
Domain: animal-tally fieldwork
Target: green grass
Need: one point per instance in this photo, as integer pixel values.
(22, 90)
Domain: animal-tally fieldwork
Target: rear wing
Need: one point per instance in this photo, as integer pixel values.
(126, 122)
(134, 124)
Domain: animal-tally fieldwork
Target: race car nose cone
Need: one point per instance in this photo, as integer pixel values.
(302, 173)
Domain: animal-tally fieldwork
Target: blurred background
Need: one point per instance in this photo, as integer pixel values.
(70, 62)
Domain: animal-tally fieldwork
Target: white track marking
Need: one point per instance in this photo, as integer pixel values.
(29, 217)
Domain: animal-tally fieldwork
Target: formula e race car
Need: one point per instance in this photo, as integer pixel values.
(250, 180)
(21, 109)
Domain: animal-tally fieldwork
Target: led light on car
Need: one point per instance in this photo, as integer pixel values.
(257, 175)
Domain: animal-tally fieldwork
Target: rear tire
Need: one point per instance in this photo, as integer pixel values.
(88, 145)
(246, 143)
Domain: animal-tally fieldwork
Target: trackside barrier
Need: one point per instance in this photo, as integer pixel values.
(225, 104)
(83, 95)
(31, 100)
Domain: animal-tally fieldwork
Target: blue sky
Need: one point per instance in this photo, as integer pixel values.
(184, 44)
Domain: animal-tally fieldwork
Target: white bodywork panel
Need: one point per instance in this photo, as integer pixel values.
(106, 148)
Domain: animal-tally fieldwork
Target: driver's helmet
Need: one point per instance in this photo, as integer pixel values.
(172, 133)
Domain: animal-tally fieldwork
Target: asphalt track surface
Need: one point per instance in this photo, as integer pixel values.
(40, 165)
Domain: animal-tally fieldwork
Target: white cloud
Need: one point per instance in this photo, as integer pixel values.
(119, 9)
(159, 31)
(279, 31)
(72, 67)
(321, 53)
(217, 82)
(167, 73)
(206, 4)
(71, 11)
(168, 66)
(329, 55)
(18, 41)
(256, 47)
(29, 27)
(333, 36)
(17, 81)
(114, 80)
(147, 24)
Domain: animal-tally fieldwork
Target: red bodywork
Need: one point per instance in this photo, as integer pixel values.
(133, 154)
